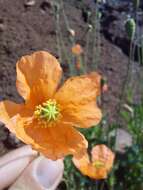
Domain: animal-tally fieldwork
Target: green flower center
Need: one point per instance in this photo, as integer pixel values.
(98, 164)
(48, 111)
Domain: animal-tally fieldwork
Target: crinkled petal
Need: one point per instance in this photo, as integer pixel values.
(83, 115)
(104, 154)
(38, 76)
(18, 124)
(86, 168)
(77, 98)
(53, 141)
(96, 173)
(82, 163)
(8, 110)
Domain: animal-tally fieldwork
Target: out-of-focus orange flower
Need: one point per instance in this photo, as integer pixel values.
(100, 164)
(77, 50)
(46, 118)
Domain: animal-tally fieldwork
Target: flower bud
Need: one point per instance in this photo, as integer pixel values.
(130, 27)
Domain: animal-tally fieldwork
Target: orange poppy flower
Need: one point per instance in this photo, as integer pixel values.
(77, 50)
(100, 164)
(49, 115)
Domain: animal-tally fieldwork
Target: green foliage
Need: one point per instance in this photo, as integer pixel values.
(135, 123)
(129, 174)
(73, 179)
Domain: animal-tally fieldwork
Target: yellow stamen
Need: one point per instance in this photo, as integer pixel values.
(47, 112)
(98, 164)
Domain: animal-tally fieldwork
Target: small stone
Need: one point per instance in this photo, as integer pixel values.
(2, 25)
(123, 140)
(29, 3)
(71, 32)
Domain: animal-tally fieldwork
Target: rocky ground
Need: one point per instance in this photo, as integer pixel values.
(26, 27)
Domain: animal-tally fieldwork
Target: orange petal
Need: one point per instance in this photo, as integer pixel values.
(18, 125)
(82, 163)
(104, 154)
(97, 174)
(86, 168)
(54, 142)
(96, 79)
(83, 115)
(38, 76)
(77, 98)
(8, 110)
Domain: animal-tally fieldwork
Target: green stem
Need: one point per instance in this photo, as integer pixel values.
(96, 185)
(96, 40)
(98, 43)
(72, 40)
(94, 44)
(102, 185)
(123, 90)
(86, 49)
(83, 69)
(141, 51)
(57, 37)
(126, 80)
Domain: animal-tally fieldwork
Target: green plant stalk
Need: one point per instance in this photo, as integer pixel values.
(102, 186)
(86, 49)
(65, 53)
(96, 185)
(57, 38)
(140, 48)
(83, 68)
(98, 43)
(65, 17)
(72, 40)
(94, 44)
(96, 40)
(62, 47)
(141, 51)
(72, 56)
(126, 80)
